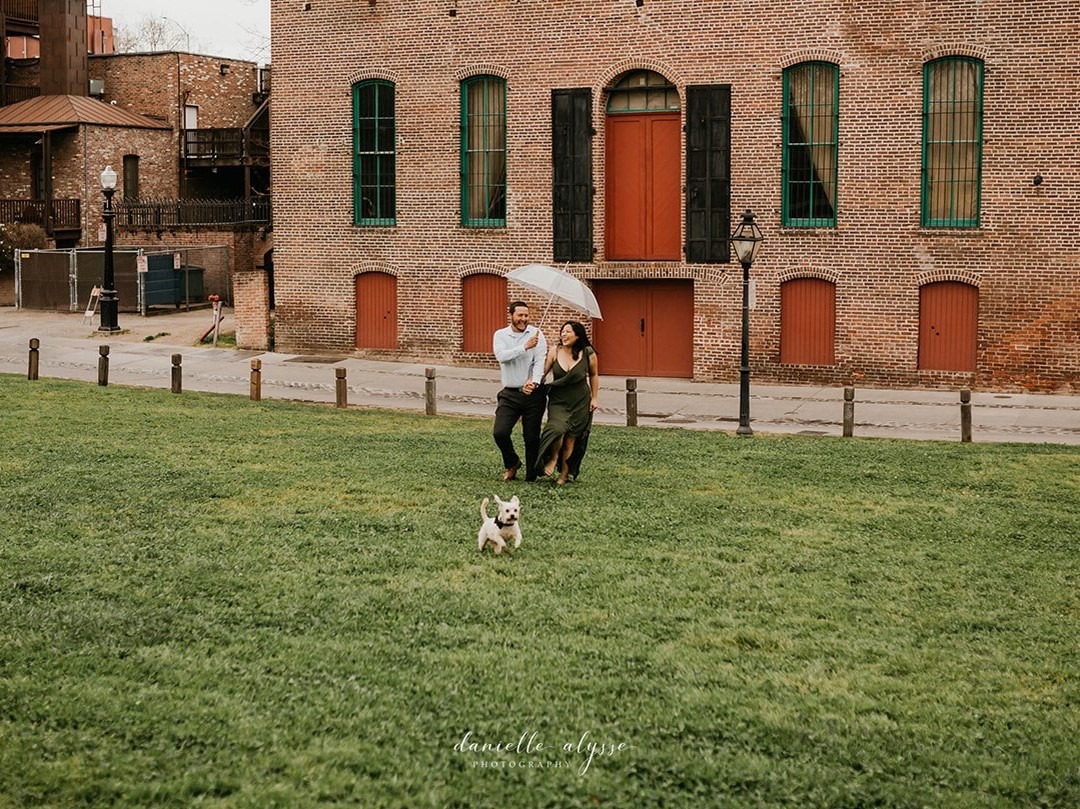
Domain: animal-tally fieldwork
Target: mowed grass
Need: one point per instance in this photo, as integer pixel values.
(212, 602)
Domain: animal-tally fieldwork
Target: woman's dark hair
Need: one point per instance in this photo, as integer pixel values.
(582, 338)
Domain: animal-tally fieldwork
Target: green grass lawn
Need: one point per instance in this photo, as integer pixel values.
(206, 601)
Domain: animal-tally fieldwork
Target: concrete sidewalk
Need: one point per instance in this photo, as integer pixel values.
(141, 355)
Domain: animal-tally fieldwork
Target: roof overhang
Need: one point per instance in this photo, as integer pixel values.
(33, 129)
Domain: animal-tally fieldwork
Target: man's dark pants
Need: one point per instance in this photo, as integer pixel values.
(529, 408)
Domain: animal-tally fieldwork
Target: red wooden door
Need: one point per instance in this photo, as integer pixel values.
(669, 328)
(620, 336)
(376, 310)
(648, 328)
(807, 322)
(948, 326)
(643, 171)
(483, 310)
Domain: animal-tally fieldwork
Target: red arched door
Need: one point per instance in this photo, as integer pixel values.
(948, 326)
(807, 322)
(376, 310)
(483, 310)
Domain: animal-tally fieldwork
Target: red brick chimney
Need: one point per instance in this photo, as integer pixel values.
(64, 69)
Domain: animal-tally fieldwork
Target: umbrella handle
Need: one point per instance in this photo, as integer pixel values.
(547, 306)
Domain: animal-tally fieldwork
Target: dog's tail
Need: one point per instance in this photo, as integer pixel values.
(483, 508)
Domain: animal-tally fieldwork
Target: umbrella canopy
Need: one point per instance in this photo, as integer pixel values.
(557, 285)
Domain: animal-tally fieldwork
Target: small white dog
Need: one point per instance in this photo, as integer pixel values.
(504, 527)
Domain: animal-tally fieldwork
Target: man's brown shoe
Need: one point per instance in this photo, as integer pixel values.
(511, 473)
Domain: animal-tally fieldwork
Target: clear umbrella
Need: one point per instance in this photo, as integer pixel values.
(557, 285)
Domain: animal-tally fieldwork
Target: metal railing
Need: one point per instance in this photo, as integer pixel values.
(56, 214)
(22, 10)
(225, 144)
(174, 212)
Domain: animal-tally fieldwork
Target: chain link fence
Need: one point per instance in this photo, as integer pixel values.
(146, 278)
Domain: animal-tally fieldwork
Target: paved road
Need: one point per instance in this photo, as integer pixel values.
(141, 355)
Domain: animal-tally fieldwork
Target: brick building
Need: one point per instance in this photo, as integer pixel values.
(188, 135)
(911, 169)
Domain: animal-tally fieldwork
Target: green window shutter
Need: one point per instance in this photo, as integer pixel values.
(952, 142)
(374, 154)
(811, 121)
(483, 152)
(571, 191)
(708, 174)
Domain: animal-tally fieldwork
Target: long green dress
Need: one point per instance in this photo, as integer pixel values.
(568, 413)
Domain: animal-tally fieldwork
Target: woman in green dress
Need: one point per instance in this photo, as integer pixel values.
(572, 398)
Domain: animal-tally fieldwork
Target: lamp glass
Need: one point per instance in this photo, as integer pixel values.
(108, 178)
(746, 239)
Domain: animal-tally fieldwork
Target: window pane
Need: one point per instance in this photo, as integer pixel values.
(952, 133)
(810, 144)
(374, 146)
(642, 90)
(484, 151)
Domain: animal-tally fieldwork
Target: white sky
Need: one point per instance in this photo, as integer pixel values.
(237, 29)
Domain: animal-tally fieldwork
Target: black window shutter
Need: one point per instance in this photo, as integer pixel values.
(708, 174)
(571, 190)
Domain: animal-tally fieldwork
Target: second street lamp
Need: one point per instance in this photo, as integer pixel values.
(745, 241)
(110, 301)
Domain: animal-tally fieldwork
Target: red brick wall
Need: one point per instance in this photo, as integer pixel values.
(252, 309)
(1023, 257)
(160, 84)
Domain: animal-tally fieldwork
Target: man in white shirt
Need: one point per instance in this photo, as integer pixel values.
(521, 351)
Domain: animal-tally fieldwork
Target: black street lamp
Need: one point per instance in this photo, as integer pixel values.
(745, 240)
(110, 301)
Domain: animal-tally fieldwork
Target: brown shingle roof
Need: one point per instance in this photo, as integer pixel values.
(54, 112)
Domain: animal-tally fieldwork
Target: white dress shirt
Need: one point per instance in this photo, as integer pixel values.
(518, 364)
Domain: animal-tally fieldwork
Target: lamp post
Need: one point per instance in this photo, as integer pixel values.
(187, 36)
(745, 240)
(110, 301)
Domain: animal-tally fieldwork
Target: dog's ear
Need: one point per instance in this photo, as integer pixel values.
(499, 500)
(515, 502)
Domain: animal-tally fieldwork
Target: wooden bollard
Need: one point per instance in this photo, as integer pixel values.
(177, 381)
(256, 380)
(103, 366)
(341, 387)
(965, 415)
(849, 412)
(429, 392)
(631, 403)
(32, 370)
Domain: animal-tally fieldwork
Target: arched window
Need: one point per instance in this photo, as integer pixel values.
(131, 176)
(952, 142)
(483, 151)
(374, 154)
(811, 126)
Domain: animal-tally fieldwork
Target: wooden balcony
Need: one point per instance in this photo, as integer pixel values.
(63, 216)
(168, 213)
(226, 147)
(20, 11)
